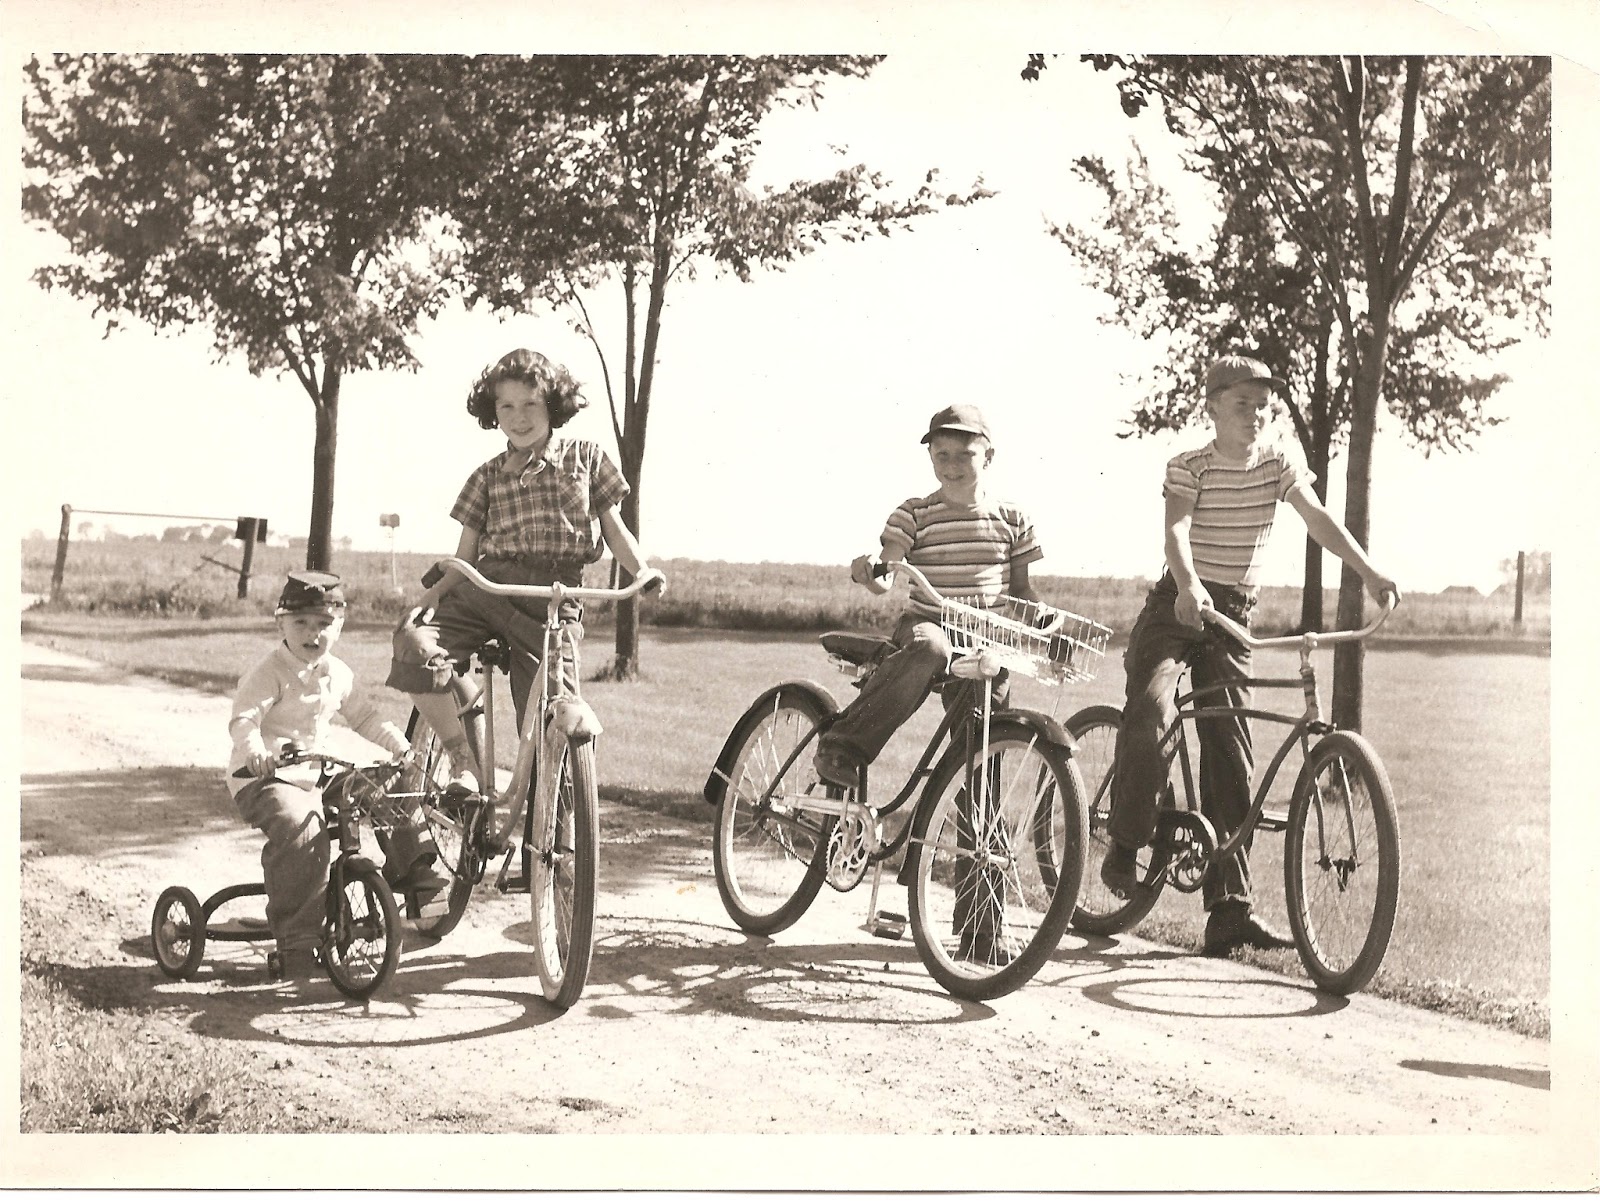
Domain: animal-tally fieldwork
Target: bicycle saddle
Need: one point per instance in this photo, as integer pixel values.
(856, 647)
(494, 654)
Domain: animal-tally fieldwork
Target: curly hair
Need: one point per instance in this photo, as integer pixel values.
(560, 390)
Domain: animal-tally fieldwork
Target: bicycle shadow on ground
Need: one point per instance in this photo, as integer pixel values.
(435, 997)
(688, 967)
(1109, 972)
(132, 811)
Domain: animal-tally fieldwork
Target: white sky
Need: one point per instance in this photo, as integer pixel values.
(787, 412)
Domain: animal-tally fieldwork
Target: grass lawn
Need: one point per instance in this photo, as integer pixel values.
(1471, 773)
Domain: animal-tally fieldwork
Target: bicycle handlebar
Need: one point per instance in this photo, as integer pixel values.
(1309, 639)
(292, 754)
(465, 571)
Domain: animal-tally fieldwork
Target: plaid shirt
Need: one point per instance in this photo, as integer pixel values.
(546, 510)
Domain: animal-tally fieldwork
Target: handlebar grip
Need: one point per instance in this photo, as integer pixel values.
(881, 569)
(432, 577)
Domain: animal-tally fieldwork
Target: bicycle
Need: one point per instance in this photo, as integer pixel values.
(361, 938)
(552, 793)
(982, 917)
(1342, 838)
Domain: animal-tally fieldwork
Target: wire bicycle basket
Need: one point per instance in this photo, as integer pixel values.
(372, 793)
(1012, 630)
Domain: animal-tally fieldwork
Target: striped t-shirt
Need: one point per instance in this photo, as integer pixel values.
(1234, 505)
(966, 551)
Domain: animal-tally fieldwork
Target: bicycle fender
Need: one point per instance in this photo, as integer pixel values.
(575, 719)
(1047, 727)
(717, 783)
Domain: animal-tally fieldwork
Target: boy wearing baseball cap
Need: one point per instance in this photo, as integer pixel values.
(1220, 504)
(969, 545)
(291, 696)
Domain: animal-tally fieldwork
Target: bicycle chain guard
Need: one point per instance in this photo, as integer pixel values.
(1189, 840)
(849, 850)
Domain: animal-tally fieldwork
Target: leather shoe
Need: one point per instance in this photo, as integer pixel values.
(1119, 871)
(837, 767)
(1236, 926)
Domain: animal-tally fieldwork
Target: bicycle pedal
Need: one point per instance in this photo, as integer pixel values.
(886, 925)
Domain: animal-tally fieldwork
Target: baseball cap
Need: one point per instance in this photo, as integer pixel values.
(958, 419)
(1236, 369)
(311, 593)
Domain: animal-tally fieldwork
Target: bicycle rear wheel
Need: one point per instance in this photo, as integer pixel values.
(984, 915)
(1341, 863)
(770, 856)
(454, 821)
(1100, 912)
(564, 862)
(361, 940)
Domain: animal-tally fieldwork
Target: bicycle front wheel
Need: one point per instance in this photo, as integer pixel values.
(361, 943)
(769, 854)
(563, 865)
(454, 821)
(1341, 863)
(1100, 912)
(983, 914)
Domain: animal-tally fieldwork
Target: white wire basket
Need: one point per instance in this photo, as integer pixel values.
(1012, 631)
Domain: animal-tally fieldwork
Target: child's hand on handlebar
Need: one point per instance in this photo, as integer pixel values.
(259, 764)
(878, 578)
(654, 581)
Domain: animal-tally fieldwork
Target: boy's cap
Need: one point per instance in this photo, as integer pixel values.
(1236, 369)
(958, 419)
(311, 592)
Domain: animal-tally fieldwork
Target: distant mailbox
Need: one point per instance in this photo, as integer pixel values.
(251, 530)
(388, 519)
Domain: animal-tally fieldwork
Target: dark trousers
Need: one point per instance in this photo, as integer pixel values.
(1159, 649)
(467, 618)
(896, 689)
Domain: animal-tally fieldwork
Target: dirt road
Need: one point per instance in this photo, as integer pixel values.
(689, 1026)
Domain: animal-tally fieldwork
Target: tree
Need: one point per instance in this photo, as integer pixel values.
(279, 201)
(1416, 191)
(640, 177)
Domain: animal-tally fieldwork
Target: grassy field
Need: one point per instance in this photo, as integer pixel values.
(171, 579)
(1472, 779)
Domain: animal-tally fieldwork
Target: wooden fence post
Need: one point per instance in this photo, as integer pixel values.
(1516, 617)
(59, 575)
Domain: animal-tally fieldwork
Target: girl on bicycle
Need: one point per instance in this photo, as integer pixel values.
(528, 517)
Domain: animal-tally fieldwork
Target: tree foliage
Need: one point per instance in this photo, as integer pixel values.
(1412, 197)
(639, 176)
(280, 202)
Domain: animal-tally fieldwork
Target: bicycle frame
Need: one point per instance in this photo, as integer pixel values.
(562, 711)
(1301, 727)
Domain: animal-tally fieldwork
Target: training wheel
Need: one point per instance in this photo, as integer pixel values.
(178, 932)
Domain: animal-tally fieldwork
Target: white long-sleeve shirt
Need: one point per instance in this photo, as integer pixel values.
(283, 698)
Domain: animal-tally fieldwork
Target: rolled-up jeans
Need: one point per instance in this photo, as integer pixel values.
(467, 618)
(897, 688)
(1159, 648)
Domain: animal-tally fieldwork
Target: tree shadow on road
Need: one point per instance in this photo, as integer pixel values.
(119, 811)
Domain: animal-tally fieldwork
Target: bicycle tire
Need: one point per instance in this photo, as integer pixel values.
(178, 932)
(361, 938)
(454, 823)
(563, 872)
(1342, 907)
(770, 866)
(1099, 912)
(985, 921)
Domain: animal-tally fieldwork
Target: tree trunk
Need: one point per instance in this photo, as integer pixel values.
(319, 539)
(1349, 658)
(1319, 460)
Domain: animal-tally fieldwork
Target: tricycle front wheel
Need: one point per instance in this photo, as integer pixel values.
(178, 932)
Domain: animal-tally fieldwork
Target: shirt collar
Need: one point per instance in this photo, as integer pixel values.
(511, 458)
(298, 667)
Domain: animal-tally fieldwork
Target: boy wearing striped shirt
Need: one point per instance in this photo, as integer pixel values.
(1220, 505)
(970, 547)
